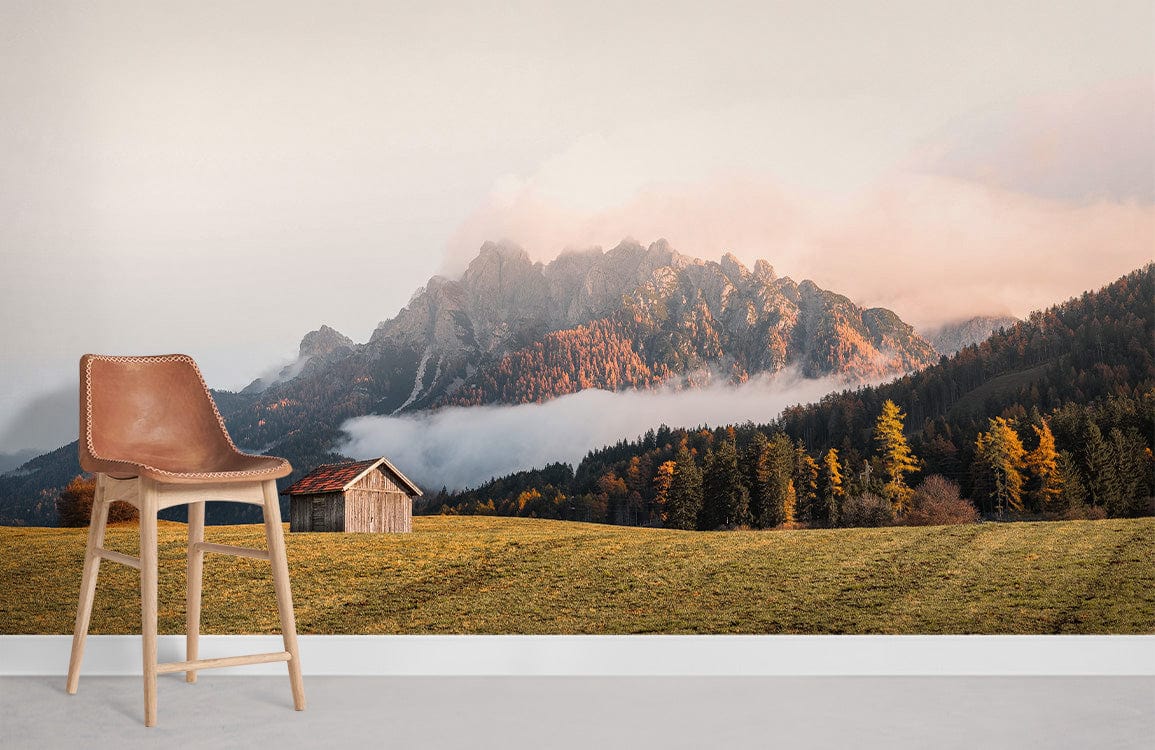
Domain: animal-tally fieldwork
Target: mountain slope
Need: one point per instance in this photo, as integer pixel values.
(1091, 347)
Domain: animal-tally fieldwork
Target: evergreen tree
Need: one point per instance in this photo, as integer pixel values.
(706, 511)
(830, 490)
(779, 498)
(1131, 473)
(1098, 465)
(999, 461)
(852, 462)
(895, 456)
(940, 456)
(756, 466)
(1074, 492)
(684, 502)
(1042, 463)
(725, 501)
(806, 486)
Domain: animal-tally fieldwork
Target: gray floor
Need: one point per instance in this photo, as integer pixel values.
(583, 712)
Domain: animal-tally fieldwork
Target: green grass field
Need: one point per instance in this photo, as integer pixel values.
(507, 575)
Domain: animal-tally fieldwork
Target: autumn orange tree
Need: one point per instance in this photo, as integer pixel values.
(663, 478)
(999, 462)
(1043, 465)
(894, 455)
(830, 487)
(74, 505)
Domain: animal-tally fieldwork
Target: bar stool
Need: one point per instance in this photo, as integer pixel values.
(152, 435)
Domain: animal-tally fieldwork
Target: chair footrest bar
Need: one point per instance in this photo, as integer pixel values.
(129, 560)
(225, 661)
(228, 549)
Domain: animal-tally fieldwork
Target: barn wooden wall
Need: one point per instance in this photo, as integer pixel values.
(378, 504)
(332, 507)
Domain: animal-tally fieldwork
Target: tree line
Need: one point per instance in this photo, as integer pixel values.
(748, 476)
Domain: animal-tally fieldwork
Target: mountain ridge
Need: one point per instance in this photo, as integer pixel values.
(511, 330)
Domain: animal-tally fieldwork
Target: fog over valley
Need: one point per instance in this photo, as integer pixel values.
(460, 447)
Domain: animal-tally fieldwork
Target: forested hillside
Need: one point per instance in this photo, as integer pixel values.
(1053, 415)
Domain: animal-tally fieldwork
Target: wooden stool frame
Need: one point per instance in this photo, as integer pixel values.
(150, 497)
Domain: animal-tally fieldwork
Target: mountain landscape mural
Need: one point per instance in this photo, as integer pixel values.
(513, 331)
(580, 318)
(830, 515)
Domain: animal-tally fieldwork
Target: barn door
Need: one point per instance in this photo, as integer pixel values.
(317, 516)
(374, 513)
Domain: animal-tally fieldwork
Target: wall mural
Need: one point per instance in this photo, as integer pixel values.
(610, 322)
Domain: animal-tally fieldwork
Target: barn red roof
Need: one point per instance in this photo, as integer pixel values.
(328, 478)
(334, 477)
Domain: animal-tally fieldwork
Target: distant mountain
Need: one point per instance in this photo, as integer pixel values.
(953, 337)
(510, 330)
(321, 343)
(28, 493)
(9, 461)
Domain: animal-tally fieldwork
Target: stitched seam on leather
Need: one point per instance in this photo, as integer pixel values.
(158, 359)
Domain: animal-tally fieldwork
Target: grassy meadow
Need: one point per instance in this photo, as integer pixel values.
(458, 574)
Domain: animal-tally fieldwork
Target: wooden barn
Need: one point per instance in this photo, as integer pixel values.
(369, 496)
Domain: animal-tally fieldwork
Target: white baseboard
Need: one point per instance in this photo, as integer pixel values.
(636, 655)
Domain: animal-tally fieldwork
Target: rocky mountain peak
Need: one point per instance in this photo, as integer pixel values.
(504, 250)
(734, 269)
(764, 272)
(498, 268)
(322, 342)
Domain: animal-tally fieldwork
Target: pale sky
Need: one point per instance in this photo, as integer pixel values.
(219, 178)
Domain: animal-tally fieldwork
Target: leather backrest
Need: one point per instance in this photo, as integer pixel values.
(151, 410)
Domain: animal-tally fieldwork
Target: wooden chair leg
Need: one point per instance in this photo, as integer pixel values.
(148, 594)
(275, 537)
(195, 575)
(96, 525)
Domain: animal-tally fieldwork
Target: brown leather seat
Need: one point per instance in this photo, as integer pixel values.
(154, 417)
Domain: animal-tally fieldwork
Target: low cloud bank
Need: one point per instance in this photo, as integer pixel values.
(933, 248)
(464, 446)
(1010, 208)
